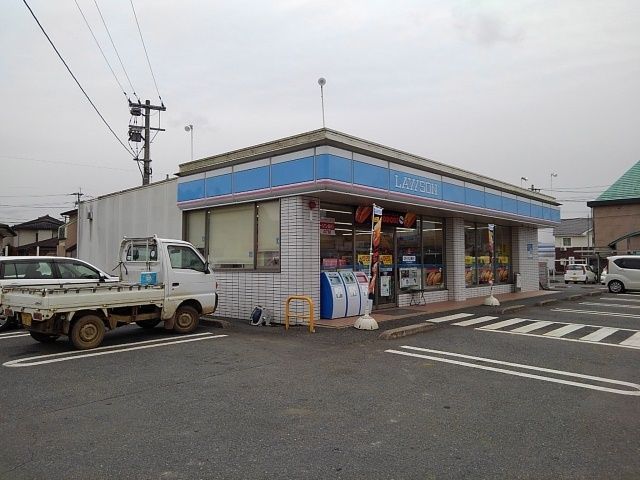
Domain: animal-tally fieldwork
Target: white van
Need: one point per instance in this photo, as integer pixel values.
(623, 273)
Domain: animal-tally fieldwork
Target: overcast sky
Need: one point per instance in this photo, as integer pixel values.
(503, 88)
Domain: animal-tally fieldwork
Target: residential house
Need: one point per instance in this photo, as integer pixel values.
(6, 237)
(573, 242)
(37, 237)
(616, 216)
(68, 235)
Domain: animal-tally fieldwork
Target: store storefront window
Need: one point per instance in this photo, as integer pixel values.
(268, 234)
(469, 254)
(433, 272)
(195, 229)
(336, 237)
(409, 262)
(483, 255)
(481, 266)
(245, 236)
(502, 242)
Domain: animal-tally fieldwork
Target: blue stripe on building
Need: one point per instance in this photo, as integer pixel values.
(252, 179)
(370, 175)
(293, 171)
(332, 167)
(191, 190)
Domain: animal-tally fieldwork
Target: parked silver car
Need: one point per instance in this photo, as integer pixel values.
(623, 273)
(25, 271)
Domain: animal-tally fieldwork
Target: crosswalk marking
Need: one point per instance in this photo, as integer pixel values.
(599, 334)
(504, 323)
(455, 316)
(562, 331)
(594, 312)
(609, 299)
(474, 321)
(532, 326)
(632, 341)
(599, 304)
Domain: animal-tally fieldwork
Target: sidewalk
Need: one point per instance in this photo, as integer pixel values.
(437, 307)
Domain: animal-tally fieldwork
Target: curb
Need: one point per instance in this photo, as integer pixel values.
(576, 297)
(405, 331)
(545, 302)
(510, 308)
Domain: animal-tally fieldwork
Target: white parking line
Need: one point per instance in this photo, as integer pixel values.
(634, 386)
(73, 355)
(455, 316)
(7, 336)
(595, 312)
(597, 304)
(474, 321)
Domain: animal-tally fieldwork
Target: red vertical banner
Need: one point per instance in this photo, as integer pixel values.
(376, 234)
(491, 250)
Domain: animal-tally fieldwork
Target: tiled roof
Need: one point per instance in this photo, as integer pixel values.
(40, 223)
(572, 227)
(6, 231)
(626, 187)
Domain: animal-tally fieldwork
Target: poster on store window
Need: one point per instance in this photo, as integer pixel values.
(408, 277)
(327, 226)
(385, 286)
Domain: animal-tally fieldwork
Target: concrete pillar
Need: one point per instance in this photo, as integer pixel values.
(524, 245)
(454, 252)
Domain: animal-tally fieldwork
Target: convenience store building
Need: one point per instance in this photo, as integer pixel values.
(272, 217)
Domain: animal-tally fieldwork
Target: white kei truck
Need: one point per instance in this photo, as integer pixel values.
(161, 281)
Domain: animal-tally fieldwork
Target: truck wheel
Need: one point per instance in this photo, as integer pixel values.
(43, 337)
(87, 332)
(186, 319)
(148, 323)
(6, 323)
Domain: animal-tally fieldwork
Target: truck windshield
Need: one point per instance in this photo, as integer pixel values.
(184, 258)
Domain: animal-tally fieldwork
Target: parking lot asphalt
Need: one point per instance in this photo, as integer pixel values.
(262, 402)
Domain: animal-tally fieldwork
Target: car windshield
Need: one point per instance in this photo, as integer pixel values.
(574, 267)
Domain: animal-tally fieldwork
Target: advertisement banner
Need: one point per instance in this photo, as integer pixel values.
(376, 234)
(327, 226)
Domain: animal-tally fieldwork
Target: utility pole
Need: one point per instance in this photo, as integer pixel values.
(78, 194)
(135, 133)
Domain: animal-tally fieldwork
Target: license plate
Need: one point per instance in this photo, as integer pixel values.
(26, 319)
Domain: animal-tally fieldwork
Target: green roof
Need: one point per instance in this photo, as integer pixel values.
(627, 186)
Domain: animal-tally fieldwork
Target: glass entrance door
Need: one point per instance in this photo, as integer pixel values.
(386, 281)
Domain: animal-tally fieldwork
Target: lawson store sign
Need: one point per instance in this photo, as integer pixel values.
(330, 168)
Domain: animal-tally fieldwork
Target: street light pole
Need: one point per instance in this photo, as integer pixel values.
(522, 180)
(551, 182)
(322, 82)
(189, 128)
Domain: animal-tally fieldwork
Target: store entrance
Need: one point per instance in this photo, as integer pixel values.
(386, 282)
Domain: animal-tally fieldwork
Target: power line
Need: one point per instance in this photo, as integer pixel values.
(74, 77)
(64, 163)
(116, 50)
(145, 52)
(101, 51)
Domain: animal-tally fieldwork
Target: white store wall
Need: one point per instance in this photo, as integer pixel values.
(139, 212)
